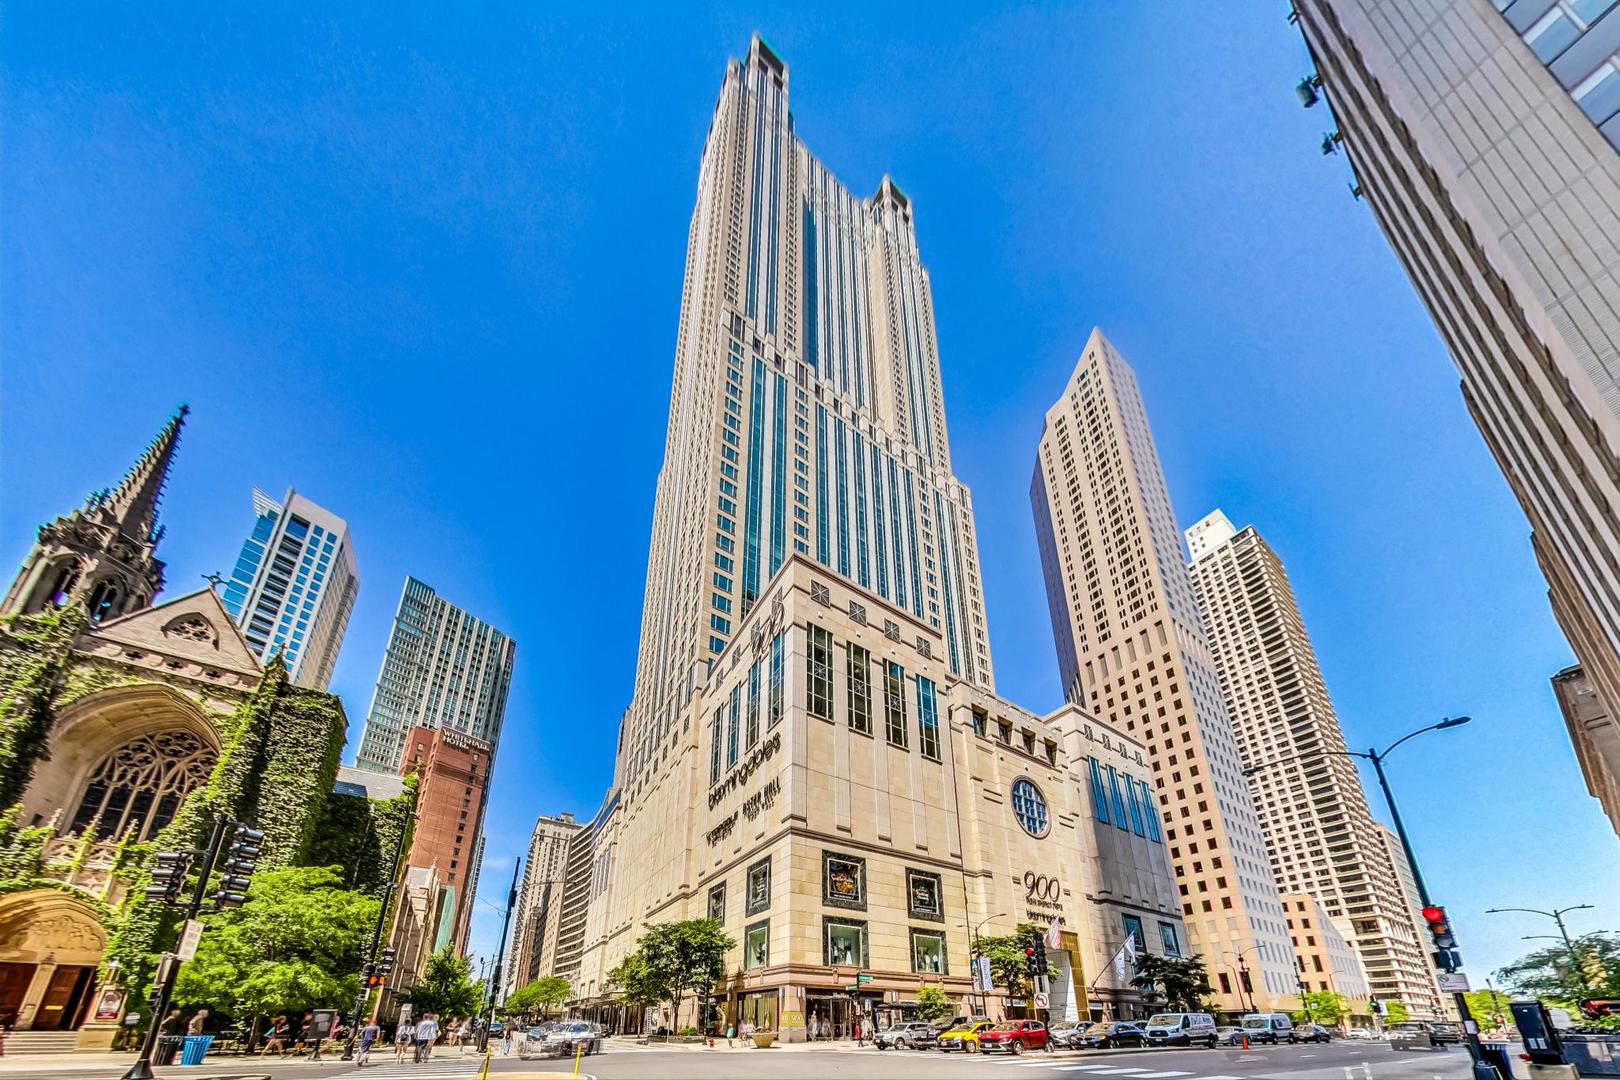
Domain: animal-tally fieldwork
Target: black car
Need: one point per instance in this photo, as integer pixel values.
(1440, 1034)
(1311, 1033)
(1108, 1035)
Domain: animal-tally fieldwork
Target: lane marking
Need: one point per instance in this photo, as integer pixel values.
(1168, 1072)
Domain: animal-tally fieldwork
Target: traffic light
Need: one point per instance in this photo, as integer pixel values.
(1445, 954)
(385, 962)
(1040, 955)
(240, 860)
(169, 870)
(1032, 965)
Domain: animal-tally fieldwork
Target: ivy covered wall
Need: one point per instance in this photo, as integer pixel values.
(36, 653)
(361, 835)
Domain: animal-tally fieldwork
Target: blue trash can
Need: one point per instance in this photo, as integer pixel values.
(195, 1049)
(1496, 1053)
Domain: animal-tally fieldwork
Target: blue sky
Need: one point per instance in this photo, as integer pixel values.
(416, 261)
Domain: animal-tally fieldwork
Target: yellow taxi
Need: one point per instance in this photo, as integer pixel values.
(964, 1037)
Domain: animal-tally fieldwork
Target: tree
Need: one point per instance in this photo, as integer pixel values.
(295, 944)
(1395, 1012)
(447, 988)
(1007, 959)
(933, 1004)
(1322, 1007)
(635, 983)
(1553, 975)
(1487, 1005)
(685, 955)
(1183, 979)
(539, 996)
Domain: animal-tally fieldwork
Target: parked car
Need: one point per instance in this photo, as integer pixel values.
(1229, 1035)
(1108, 1035)
(1064, 1030)
(560, 1040)
(1181, 1029)
(964, 1038)
(1268, 1028)
(1442, 1033)
(1014, 1036)
(957, 1023)
(1361, 1034)
(910, 1035)
(1312, 1033)
(1413, 1033)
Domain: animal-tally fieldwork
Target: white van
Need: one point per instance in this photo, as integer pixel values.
(1268, 1028)
(1181, 1029)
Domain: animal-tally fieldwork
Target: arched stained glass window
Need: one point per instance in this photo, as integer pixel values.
(138, 787)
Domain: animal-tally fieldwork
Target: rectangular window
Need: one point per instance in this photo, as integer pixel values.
(860, 689)
(844, 942)
(1133, 928)
(1150, 811)
(843, 880)
(714, 746)
(1099, 797)
(928, 952)
(720, 623)
(1136, 810)
(753, 705)
(777, 660)
(1552, 35)
(731, 725)
(927, 719)
(894, 703)
(759, 886)
(1167, 939)
(717, 903)
(1119, 800)
(923, 896)
(818, 672)
(757, 945)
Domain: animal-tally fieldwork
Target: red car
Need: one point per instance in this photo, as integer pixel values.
(1015, 1036)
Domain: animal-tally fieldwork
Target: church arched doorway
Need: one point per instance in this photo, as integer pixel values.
(50, 946)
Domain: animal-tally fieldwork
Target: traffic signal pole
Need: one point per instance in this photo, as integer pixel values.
(169, 964)
(376, 941)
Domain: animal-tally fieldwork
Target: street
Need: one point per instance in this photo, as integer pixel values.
(625, 1061)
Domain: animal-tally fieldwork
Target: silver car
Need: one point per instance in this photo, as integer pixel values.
(911, 1035)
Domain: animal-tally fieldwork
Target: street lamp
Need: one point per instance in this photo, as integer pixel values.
(1244, 983)
(1482, 1069)
(973, 946)
(1557, 916)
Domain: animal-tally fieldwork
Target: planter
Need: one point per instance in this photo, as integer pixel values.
(763, 1039)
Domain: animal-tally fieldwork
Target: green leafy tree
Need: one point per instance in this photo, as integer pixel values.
(447, 989)
(635, 983)
(538, 997)
(1007, 959)
(1322, 1007)
(295, 944)
(1396, 1012)
(685, 955)
(1554, 975)
(934, 1004)
(1180, 981)
(1487, 1005)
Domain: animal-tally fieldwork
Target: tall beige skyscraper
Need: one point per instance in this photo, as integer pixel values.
(1483, 138)
(1312, 809)
(1132, 650)
(536, 918)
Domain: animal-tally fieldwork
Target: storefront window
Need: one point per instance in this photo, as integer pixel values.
(759, 1010)
(759, 886)
(922, 890)
(843, 880)
(717, 903)
(845, 942)
(928, 952)
(757, 945)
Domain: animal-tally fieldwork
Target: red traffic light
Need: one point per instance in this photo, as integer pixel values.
(1434, 914)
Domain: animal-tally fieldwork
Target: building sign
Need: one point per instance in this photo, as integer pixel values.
(739, 776)
(762, 799)
(108, 1004)
(722, 830)
(462, 741)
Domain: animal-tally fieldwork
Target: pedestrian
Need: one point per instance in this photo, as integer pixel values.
(368, 1035)
(275, 1039)
(427, 1033)
(306, 1027)
(731, 1033)
(404, 1039)
(746, 1031)
(195, 1025)
(506, 1039)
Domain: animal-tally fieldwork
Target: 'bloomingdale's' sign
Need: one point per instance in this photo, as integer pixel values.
(740, 775)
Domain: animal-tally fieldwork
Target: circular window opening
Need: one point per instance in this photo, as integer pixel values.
(1029, 806)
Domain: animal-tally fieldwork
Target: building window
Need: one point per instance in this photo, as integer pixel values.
(1136, 810)
(927, 719)
(894, 703)
(1133, 928)
(1029, 806)
(928, 952)
(1167, 939)
(923, 897)
(1150, 811)
(818, 671)
(732, 717)
(717, 903)
(1552, 35)
(757, 944)
(843, 880)
(844, 941)
(777, 653)
(137, 788)
(860, 689)
(753, 705)
(1119, 800)
(1598, 94)
(759, 887)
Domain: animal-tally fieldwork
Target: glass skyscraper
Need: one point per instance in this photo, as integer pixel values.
(294, 585)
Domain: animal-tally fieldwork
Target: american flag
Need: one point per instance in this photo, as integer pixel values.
(1054, 932)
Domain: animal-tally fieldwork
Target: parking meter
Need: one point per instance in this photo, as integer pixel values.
(1537, 1031)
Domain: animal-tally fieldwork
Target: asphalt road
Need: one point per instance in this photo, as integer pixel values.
(1335, 1061)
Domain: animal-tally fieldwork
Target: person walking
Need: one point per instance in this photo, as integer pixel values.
(194, 1026)
(368, 1035)
(506, 1039)
(404, 1039)
(427, 1033)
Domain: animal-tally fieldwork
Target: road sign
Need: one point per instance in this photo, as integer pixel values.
(863, 978)
(852, 988)
(1042, 1001)
(1453, 982)
(190, 935)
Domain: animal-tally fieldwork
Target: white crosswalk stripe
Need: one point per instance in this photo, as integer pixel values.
(389, 1069)
(1166, 1073)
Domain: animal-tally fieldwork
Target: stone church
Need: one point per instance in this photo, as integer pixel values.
(126, 724)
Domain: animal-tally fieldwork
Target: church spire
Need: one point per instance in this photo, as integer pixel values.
(134, 502)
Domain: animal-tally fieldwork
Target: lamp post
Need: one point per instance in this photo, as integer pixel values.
(1482, 1069)
(1557, 916)
(1245, 984)
(495, 981)
(973, 946)
(376, 938)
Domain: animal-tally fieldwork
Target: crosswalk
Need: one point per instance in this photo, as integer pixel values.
(439, 1068)
(1124, 1072)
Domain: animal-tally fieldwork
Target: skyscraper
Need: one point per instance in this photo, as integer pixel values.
(537, 916)
(1312, 810)
(1483, 138)
(443, 668)
(294, 585)
(1131, 648)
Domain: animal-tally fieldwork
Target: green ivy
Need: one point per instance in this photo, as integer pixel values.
(35, 654)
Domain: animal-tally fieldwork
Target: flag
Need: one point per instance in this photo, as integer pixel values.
(1119, 962)
(1054, 933)
(1130, 948)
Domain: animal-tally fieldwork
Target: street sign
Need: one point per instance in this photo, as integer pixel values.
(852, 988)
(1453, 982)
(190, 935)
(863, 978)
(1042, 1001)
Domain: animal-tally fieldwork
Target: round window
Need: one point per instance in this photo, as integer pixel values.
(1029, 806)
